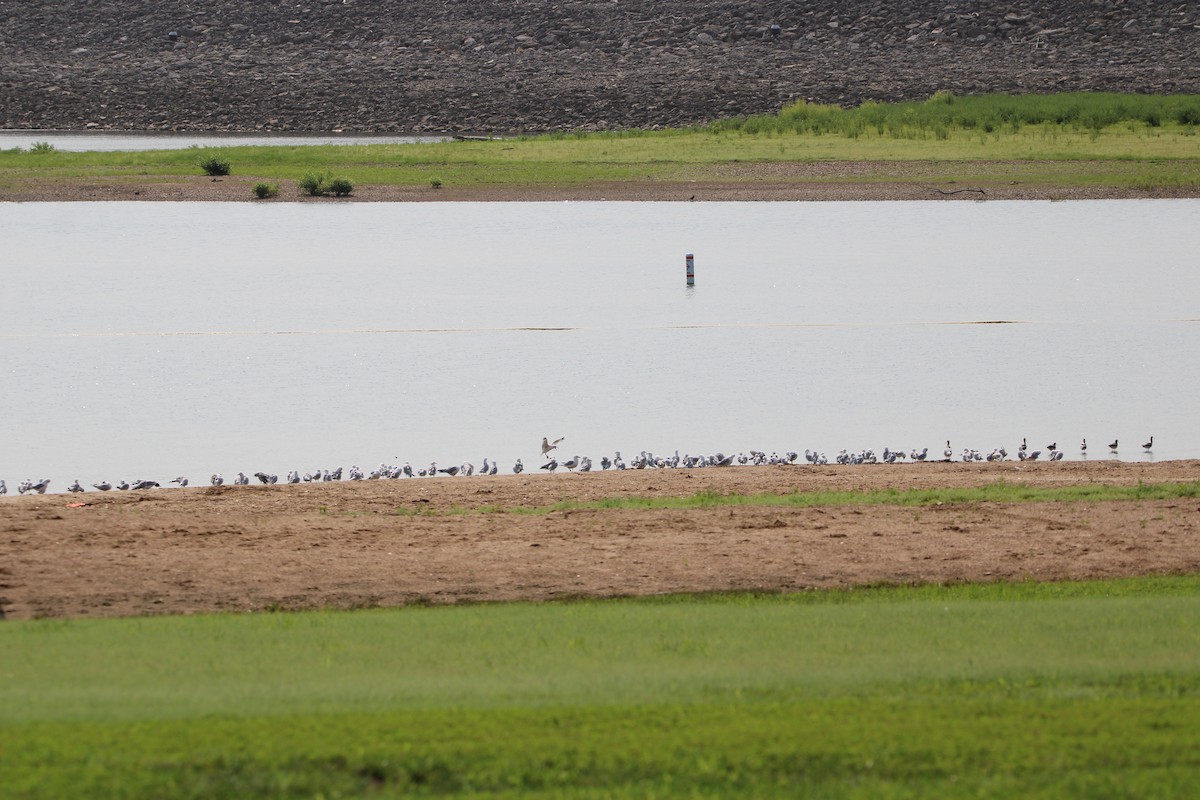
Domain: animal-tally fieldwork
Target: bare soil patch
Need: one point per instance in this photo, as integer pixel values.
(843, 180)
(359, 544)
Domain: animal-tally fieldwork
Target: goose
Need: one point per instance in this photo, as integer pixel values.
(1083, 446)
(1052, 446)
(1113, 446)
(1024, 445)
(948, 453)
(1148, 445)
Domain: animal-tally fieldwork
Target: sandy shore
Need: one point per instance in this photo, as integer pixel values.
(391, 543)
(763, 184)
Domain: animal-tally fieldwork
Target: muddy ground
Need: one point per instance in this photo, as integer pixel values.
(391, 543)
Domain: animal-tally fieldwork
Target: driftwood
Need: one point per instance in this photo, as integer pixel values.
(954, 191)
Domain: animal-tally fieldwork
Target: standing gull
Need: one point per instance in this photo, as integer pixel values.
(182, 481)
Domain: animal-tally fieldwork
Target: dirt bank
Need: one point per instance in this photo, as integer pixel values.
(389, 543)
(542, 65)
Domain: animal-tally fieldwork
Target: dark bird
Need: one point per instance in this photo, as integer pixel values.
(1149, 444)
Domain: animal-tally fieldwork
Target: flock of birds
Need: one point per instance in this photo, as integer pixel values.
(643, 460)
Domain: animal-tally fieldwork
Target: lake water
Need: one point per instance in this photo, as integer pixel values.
(78, 141)
(162, 339)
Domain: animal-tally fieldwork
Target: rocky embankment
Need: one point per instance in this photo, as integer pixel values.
(542, 65)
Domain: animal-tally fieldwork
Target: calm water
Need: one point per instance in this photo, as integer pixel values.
(163, 339)
(76, 141)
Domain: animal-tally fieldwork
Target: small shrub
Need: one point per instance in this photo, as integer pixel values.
(215, 165)
(341, 187)
(42, 147)
(314, 184)
(264, 190)
(436, 183)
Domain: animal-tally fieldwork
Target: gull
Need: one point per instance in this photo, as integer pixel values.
(241, 480)
(182, 481)
(571, 463)
(294, 477)
(145, 485)
(103, 486)
(263, 477)
(548, 445)
(75, 487)
(468, 469)
(216, 479)
(585, 465)
(1034, 455)
(604, 462)
(1057, 455)
(3, 488)
(123, 485)
(495, 468)
(550, 465)
(451, 471)
(486, 466)
(518, 467)
(408, 470)
(41, 486)
(1148, 445)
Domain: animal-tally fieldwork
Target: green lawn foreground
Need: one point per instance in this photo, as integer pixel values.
(1003, 690)
(1141, 142)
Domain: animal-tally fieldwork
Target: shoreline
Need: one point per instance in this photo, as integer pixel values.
(385, 543)
(188, 188)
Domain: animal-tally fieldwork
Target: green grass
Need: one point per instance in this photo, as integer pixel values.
(1042, 690)
(1129, 141)
(997, 492)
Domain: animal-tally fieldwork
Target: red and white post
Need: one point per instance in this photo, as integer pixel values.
(691, 270)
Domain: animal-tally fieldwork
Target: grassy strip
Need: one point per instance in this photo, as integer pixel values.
(997, 492)
(1083, 689)
(1156, 135)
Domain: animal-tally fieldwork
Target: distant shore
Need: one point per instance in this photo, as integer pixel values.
(239, 189)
